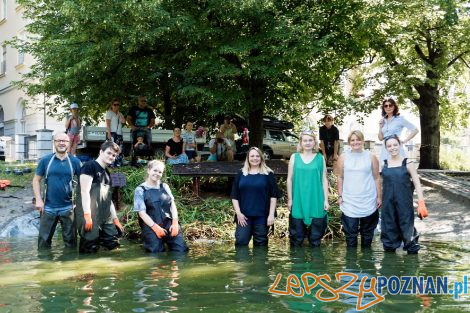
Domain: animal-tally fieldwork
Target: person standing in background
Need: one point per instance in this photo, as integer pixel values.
(392, 123)
(114, 122)
(329, 140)
(73, 125)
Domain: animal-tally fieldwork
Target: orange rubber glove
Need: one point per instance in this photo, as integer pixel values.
(88, 221)
(118, 224)
(422, 210)
(174, 228)
(160, 232)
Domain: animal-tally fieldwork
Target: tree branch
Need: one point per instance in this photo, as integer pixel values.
(459, 56)
(421, 54)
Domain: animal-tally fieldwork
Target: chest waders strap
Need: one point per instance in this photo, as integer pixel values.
(71, 177)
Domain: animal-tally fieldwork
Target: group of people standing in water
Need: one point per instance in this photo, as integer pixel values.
(361, 191)
(361, 194)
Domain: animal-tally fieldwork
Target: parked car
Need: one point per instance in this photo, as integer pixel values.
(94, 136)
(277, 143)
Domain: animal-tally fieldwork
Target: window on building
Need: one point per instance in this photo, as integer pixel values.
(22, 37)
(3, 60)
(2, 125)
(23, 119)
(3, 9)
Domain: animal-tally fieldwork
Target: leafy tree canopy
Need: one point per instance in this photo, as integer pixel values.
(194, 59)
(420, 53)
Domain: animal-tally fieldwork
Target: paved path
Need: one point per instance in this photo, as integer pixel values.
(455, 184)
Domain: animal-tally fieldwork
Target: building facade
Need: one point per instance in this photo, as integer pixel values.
(20, 116)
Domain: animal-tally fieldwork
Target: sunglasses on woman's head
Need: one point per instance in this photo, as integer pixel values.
(391, 137)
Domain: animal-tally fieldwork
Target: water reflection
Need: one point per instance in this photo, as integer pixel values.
(218, 278)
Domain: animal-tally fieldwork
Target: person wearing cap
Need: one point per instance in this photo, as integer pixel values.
(72, 127)
(329, 140)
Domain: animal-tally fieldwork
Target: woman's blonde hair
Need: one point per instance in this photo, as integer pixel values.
(358, 134)
(263, 168)
(151, 165)
(307, 133)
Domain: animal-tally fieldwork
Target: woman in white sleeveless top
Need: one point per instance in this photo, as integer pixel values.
(359, 191)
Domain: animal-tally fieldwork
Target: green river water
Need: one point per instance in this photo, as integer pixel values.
(216, 278)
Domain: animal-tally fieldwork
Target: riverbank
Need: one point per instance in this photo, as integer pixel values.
(449, 218)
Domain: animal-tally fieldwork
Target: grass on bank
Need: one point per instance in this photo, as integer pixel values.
(17, 181)
(212, 217)
(208, 217)
(454, 159)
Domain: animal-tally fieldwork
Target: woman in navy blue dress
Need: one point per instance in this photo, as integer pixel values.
(254, 197)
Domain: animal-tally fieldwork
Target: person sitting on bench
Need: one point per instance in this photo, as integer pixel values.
(220, 149)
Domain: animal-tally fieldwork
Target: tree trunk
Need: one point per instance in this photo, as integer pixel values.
(167, 104)
(428, 104)
(255, 122)
(255, 97)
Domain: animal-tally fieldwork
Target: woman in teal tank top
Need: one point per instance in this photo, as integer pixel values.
(307, 192)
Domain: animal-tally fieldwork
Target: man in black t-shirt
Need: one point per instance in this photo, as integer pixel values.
(97, 222)
(329, 140)
(141, 120)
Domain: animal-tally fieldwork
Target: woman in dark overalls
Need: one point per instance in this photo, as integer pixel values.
(397, 200)
(158, 217)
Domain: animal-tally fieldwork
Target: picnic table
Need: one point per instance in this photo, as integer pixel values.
(222, 168)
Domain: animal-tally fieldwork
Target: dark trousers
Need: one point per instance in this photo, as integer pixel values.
(352, 226)
(315, 232)
(104, 235)
(153, 244)
(118, 140)
(398, 226)
(47, 227)
(258, 231)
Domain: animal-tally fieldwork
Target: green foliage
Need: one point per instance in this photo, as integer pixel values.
(17, 181)
(194, 59)
(211, 217)
(455, 159)
(419, 55)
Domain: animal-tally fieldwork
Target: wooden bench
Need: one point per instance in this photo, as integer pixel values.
(223, 168)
